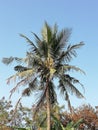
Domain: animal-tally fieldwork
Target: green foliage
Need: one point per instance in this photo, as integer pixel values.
(72, 125)
(5, 107)
(20, 117)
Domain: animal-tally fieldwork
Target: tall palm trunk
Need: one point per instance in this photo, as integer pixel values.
(48, 106)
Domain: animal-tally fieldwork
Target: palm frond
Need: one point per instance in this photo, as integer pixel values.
(37, 38)
(59, 42)
(66, 86)
(52, 93)
(31, 59)
(9, 60)
(21, 76)
(33, 46)
(43, 48)
(71, 88)
(20, 83)
(62, 39)
(70, 52)
(62, 88)
(20, 68)
(27, 91)
(64, 92)
(55, 30)
(11, 78)
(67, 67)
(31, 86)
(73, 80)
(34, 61)
(68, 101)
(40, 101)
(26, 73)
(47, 33)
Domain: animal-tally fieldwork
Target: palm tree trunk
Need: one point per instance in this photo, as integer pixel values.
(48, 107)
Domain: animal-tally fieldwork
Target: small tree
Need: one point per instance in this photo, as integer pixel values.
(85, 113)
(89, 116)
(14, 118)
(5, 107)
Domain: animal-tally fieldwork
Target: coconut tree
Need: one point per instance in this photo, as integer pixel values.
(47, 61)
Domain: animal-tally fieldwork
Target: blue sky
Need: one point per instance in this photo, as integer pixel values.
(22, 16)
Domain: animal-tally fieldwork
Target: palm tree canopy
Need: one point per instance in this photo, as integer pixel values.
(49, 57)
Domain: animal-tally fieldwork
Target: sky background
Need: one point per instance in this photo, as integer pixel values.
(24, 16)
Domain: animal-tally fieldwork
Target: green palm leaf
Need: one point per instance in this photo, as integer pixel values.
(68, 54)
(11, 59)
